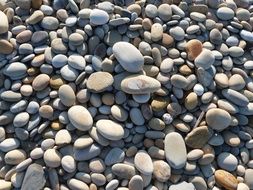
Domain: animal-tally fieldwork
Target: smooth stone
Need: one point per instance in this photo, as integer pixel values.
(162, 170)
(33, 107)
(177, 33)
(99, 81)
(236, 82)
(9, 144)
(225, 13)
(175, 157)
(167, 65)
(15, 157)
(87, 153)
(59, 60)
(50, 23)
(80, 118)
(248, 177)
(191, 101)
(35, 17)
(4, 25)
(5, 47)
(83, 142)
(10, 96)
(58, 46)
(40, 82)
(136, 182)
(5, 185)
(21, 119)
(124, 171)
(218, 119)
(235, 51)
(128, 56)
(246, 35)
(198, 137)
(205, 59)
(177, 10)
(67, 95)
(77, 62)
(143, 162)
(193, 48)
(115, 155)
(110, 129)
(227, 161)
(62, 137)
(151, 11)
(139, 84)
(226, 179)
(52, 158)
(68, 163)
(195, 154)
(98, 17)
(156, 32)
(69, 73)
(34, 177)
(182, 186)
(76, 184)
(235, 97)
(198, 16)
(242, 186)
(164, 12)
(179, 81)
(15, 70)
(248, 64)
(119, 113)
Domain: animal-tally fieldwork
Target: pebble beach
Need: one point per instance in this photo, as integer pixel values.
(126, 95)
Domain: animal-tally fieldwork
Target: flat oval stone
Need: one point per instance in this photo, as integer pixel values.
(76, 184)
(110, 129)
(67, 95)
(69, 73)
(76, 61)
(235, 97)
(248, 177)
(98, 17)
(4, 25)
(6, 47)
(193, 48)
(9, 144)
(179, 81)
(124, 171)
(87, 153)
(128, 56)
(10, 96)
(15, 156)
(176, 157)
(205, 59)
(83, 142)
(115, 155)
(227, 161)
(225, 13)
(99, 81)
(15, 70)
(162, 170)
(80, 118)
(40, 82)
(226, 179)
(143, 162)
(139, 84)
(21, 119)
(218, 119)
(156, 32)
(50, 23)
(246, 35)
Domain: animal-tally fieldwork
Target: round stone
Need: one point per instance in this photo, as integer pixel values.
(80, 118)
(77, 62)
(59, 60)
(62, 137)
(21, 119)
(177, 33)
(50, 23)
(151, 11)
(205, 59)
(136, 182)
(99, 81)
(143, 162)
(176, 157)
(14, 157)
(52, 158)
(156, 32)
(236, 82)
(67, 95)
(128, 56)
(227, 161)
(165, 12)
(218, 119)
(110, 129)
(198, 137)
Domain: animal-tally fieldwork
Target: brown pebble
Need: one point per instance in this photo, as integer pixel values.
(40, 82)
(56, 125)
(167, 40)
(36, 4)
(46, 111)
(56, 81)
(193, 49)
(24, 36)
(226, 179)
(5, 47)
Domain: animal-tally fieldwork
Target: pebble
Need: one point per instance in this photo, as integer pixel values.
(68, 164)
(227, 161)
(5, 47)
(15, 70)
(34, 177)
(193, 48)
(218, 119)
(52, 158)
(77, 184)
(156, 32)
(182, 186)
(40, 82)
(9, 144)
(205, 59)
(87, 153)
(198, 137)
(115, 155)
(80, 118)
(4, 26)
(175, 157)
(226, 179)
(14, 157)
(128, 56)
(143, 163)
(98, 17)
(177, 33)
(162, 170)
(99, 81)
(164, 12)
(83, 142)
(67, 95)
(110, 129)
(21, 119)
(124, 171)
(139, 84)
(5, 185)
(248, 178)
(62, 137)
(225, 13)
(136, 182)
(50, 23)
